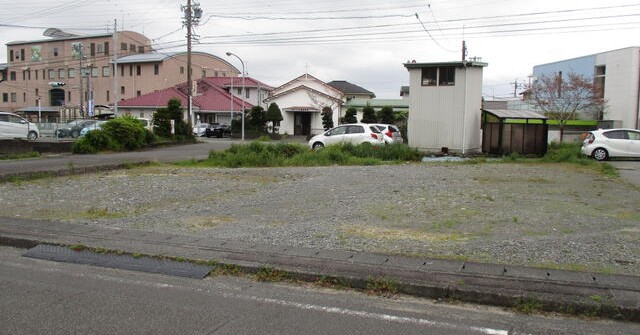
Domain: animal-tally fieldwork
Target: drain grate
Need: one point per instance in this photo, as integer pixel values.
(126, 262)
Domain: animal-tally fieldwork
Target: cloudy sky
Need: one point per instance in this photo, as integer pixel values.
(361, 41)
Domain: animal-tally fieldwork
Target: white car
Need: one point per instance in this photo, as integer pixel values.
(15, 126)
(356, 133)
(390, 133)
(602, 144)
(199, 129)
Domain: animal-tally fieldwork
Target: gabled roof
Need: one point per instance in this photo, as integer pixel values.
(349, 88)
(156, 57)
(209, 98)
(302, 87)
(515, 114)
(307, 76)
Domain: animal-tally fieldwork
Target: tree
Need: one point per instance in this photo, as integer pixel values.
(327, 118)
(162, 121)
(274, 115)
(368, 115)
(561, 99)
(350, 115)
(256, 118)
(386, 115)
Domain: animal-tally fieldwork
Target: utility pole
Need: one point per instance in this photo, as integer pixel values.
(78, 49)
(116, 92)
(464, 50)
(192, 15)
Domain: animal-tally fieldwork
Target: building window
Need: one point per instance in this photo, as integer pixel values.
(106, 48)
(598, 81)
(156, 69)
(68, 95)
(55, 52)
(11, 55)
(182, 70)
(36, 72)
(123, 46)
(108, 97)
(429, 76)
(138, 93)
(138, 70)
(131, 70)
(92, 49)
(132, 47)
(246, 93)
(24, 74)
(121, 89)
(24, 97)
(100, 48)
(204, 73)
(52, 74)
(61, 73)
(122, 71)
(22, 55)
(447, 76)
(14, 97)
(5, 97)
(141, 49)
(72, 73)
(105, 71)
(94, 71)
(37, 92)
(12, 75)
(239, 91)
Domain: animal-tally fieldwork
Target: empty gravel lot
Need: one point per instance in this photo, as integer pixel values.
(559, 216)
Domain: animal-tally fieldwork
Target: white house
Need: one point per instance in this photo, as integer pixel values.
(301, 101)
(445, 104)
(616, 77)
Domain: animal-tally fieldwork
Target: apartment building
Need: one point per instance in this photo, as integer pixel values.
(68, 75)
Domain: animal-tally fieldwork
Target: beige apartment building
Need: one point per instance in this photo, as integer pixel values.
(68, 76)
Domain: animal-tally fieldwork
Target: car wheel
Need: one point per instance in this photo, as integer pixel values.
(75, 133)
(600, 154)
(317, 146)
(32, 136)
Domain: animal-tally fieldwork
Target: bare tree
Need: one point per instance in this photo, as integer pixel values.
(561, 99)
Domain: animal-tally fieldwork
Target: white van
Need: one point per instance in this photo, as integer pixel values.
(15, 126)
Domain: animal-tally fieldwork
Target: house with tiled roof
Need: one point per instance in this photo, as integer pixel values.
(216, 99)
(302, 101)
(351, 91)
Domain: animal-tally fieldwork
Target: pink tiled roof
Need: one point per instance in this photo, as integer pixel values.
(155, 99)
(214, 98)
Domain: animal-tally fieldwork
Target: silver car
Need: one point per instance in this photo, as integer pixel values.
(603, 144)
(15, 126)
(390, 133)
(356, 133)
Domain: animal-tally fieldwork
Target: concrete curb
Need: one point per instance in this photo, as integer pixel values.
(577, 293)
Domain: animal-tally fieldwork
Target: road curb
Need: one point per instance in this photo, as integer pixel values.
(521, 295)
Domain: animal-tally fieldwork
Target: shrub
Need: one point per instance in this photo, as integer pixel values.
(94, 141)
(128, 131)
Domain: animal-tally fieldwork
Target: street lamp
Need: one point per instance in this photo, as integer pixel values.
(242, 92)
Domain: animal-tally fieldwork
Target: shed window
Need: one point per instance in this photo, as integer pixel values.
(447, 76)
(429, 76)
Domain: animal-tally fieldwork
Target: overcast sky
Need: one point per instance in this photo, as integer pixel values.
(362, 41)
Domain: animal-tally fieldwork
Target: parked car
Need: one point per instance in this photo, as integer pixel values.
(199, 129)
(15, 126)
(73, 128)
(217, 130)
(91, 127)
(356, 133)
(391, 133)
(603, 144)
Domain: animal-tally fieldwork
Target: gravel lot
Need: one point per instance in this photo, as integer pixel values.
(541, 215)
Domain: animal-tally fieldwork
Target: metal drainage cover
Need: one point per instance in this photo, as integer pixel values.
(126, 262)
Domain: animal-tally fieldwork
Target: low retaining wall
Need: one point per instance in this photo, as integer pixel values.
(21, 146)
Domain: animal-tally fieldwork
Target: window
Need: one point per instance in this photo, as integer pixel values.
(69, 95)
(94, 71)
(429, 76)
(72, 73)
(447, 76)
(13, 97)
(22, 54)
(24, 97)
(141, 49)
(106, 71)
(355, 130)
(92, 49)
(121, 70)
(12, 75)
(132, 47)
(100, 48)
(108, 97)
(55, 52)
(246, 93)
(24, 74)
(156, 69)
(138, 70)
(5, 97)
(182, 70)
(61, 73)
(616, 134)
(123, 46)
(36, 72)
(337, 131)
(37, 92)
(121, 89)
(599, 80)
(106, 48)
(633, 135)
(131, 70)
(204, 73)
(52, 74)
(10, 55)
(138, 93)
(239, 91)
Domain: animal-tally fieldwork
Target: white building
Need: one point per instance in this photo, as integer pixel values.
(445, 106)
(616, 76)
(301, 101)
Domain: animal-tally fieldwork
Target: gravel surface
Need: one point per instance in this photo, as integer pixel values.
(540, 215)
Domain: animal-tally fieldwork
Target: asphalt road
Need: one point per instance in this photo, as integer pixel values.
(41, 297)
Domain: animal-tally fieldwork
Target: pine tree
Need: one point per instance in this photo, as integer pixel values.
(327, 118)
(274, 115)
(368, 115)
